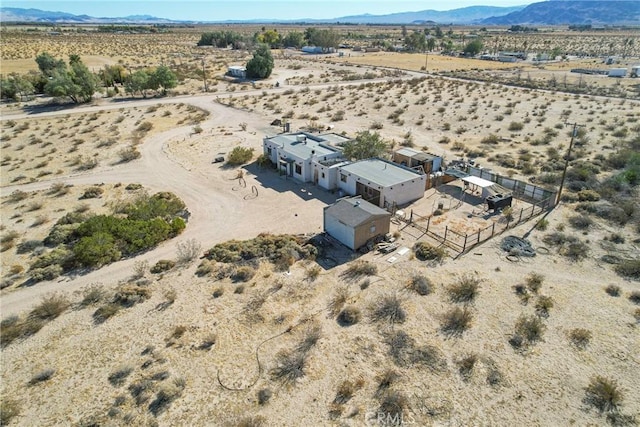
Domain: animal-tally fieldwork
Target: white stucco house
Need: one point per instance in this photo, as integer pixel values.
(298, 155)
(381, 182)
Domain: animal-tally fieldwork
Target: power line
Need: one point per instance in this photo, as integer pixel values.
(574, 133)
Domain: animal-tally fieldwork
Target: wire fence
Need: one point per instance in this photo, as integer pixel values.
(462, 243)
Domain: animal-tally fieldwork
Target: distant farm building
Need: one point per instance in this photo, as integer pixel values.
(354, 222)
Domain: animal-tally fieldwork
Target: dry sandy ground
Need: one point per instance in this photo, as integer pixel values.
(543, 386)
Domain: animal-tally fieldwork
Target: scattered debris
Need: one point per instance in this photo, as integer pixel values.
(517, 246)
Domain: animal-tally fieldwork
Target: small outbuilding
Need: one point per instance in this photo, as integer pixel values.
(354, 222)
(237, 71)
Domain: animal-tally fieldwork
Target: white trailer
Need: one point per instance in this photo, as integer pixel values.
(635, 71)
(617, 72)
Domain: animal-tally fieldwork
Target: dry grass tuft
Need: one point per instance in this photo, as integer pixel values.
(465, 290)
(388, 309)
(603, 394)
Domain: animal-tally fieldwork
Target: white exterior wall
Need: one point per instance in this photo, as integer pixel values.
(403, 193)
(338, 230)
(330, 179)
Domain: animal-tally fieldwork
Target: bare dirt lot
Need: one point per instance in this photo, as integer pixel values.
(345, 339)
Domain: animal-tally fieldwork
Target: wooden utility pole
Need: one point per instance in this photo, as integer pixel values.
(574, 133)
(204, 76)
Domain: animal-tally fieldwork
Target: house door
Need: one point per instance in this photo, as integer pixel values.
(369, 194)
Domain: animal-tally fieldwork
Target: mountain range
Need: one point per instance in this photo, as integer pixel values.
(551, 12)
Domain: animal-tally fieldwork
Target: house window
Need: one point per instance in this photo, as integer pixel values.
(299, 169)
(269, 151)
(343, 177)
(372, 229)
(323, 174)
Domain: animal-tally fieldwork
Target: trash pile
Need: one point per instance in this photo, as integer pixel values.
(516, 246)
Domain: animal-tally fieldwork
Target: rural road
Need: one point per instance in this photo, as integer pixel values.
(217, 213)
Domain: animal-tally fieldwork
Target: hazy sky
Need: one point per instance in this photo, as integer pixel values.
(216, 10)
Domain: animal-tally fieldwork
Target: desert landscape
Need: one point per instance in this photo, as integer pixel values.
(249, 315)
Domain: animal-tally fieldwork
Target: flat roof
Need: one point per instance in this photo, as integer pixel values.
(480, 182)
(381, 172)
(334, 138)
(303, 149)
(421, 156)
(354, 211)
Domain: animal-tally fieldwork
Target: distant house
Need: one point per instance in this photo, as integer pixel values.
(381, 182)
(353, 222)
(237, 71)
(298, 155)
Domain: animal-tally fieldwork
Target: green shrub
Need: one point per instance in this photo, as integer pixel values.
(163, 265)
(388, 309)
(534, 281)
(420, 284)
(543, 305)
(465, 290)
(634, 297)
(516, 126)
(50, 308)
(360, 268)
(271, 247)
(580, 337)
(49, 272)
(105, 312)
(349, 316)
(92, 193)
(426, 252)
(243, 273)
(588, 196)
(58, 256)
(604, 394)
(613, 290)
(290, 366)
(580, 222)
(239, 156)
(629, 268)
(528, 330)
(456, 321)
(491, 139)
(466, 365)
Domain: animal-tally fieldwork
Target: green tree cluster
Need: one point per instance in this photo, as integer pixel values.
(261, 65)
(160, 78)
(473, 48)
(365, 145)
(326, 38)
(415, 42)
(73, 81)
(16, 87)
(81, 241)
(222, 39)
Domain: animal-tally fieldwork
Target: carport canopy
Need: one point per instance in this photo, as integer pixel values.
(475, 180)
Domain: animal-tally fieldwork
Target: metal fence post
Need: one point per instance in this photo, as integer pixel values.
(446, 228)
(493, 228)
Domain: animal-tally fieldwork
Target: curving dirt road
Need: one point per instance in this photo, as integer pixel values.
(217, 213)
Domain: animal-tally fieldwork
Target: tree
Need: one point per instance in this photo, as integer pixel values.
(16, 87)
(163, 78)
(431, 44)
(473, 48)
(293, 39)
(138, 82)
(439, 33)
(270, 37)
(261, 65)
(48, 64)
(415, 42)
(76, 82)
(365, 145)
(325, 39)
